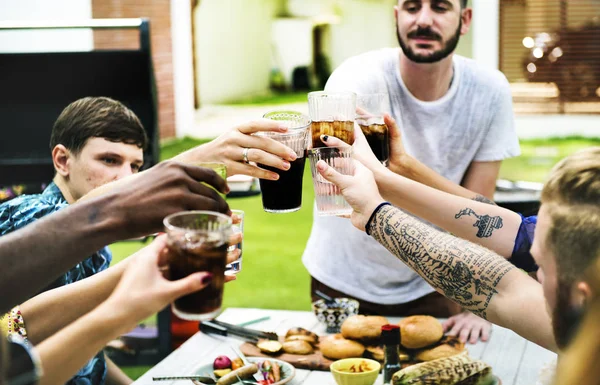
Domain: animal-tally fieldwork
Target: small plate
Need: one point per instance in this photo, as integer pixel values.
(287, 370)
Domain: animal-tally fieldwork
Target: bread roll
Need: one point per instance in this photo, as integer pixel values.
(310, 339)
(297, 347)
(419, 331)
(301, 332)
(363, 328)
(440, 351)
(337, 347)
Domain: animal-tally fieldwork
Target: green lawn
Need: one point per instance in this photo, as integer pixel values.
(272, 99)
(273, 276)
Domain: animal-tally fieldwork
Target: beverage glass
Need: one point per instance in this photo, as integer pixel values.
(330, 200)
(369, 116)
(198, 241)
(236, 266)
(285, 194)
(332, 113)
(219, 168)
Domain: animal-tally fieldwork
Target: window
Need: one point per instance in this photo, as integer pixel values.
(550, 53)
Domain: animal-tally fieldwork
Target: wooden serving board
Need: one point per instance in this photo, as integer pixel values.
(314, 361)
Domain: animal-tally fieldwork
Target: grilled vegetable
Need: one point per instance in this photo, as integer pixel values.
(481, 378)
(444, 371)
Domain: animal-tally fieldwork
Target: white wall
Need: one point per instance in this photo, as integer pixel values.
(233, 48)
(46, 40)
(183, 70)
(292, 44)
(364, 25)
(486, 28)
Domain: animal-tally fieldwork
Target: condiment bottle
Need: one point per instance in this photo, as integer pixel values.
(390, 337)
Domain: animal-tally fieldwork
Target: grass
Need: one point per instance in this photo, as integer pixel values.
(273, 276)
(539, 155)
(272, 99)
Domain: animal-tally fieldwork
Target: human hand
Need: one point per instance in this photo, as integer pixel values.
(359, 190)
(397, 152)
(164, 189)
(468, 327)
(230, 146)
(360, 149)
(143, 289)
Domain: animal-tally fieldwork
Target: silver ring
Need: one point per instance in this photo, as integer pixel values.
(245, 155)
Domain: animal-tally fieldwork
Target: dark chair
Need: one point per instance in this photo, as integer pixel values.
(36, 87)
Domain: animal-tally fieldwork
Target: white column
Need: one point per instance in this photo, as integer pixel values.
(486, 32)
(183, 68)
(45, 40)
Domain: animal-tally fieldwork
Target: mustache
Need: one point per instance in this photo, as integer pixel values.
(424, 33)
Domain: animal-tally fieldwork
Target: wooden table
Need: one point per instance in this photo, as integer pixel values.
(515, 360)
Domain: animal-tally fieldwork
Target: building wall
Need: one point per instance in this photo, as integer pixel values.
(46, 40)
(233, 48)
(159, 13)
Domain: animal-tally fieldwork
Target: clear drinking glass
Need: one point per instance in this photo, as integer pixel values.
(330, 200)
(285, 194)
(236, 266)
(219, 168)
(198, 241)
(332, 113)
(369, 116)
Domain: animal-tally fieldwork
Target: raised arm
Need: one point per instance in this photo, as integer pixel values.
(466, 215)
(403, 164)
(140, 292)
(68, 236)
(469, 274)
(488, 225)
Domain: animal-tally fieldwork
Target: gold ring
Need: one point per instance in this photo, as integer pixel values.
(245, 155)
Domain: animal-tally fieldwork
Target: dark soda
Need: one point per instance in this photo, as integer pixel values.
(343, 130)
(378, 138)
(186, 258)
(285, 194)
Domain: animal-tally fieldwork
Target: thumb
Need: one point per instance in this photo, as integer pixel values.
(331, 175)
(190, 284)
(332, 141)
(392, 127)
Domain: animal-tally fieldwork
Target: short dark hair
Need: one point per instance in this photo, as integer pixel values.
(97, 117)
(464, 3)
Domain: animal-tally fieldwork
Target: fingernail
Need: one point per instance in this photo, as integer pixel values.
(274, 176)
(282, 127)
(207, 279)
(325, 137)
(286, 165)
(293, 156)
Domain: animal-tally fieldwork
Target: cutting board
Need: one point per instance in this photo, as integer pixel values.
(314, 361)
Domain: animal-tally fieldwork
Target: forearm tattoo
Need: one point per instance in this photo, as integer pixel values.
(485, 224)
(461, 270)
(481, 198)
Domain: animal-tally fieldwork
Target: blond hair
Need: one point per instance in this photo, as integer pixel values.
(572, 198)
(579, 363)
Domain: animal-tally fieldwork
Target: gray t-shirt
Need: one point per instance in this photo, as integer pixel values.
(474, 121)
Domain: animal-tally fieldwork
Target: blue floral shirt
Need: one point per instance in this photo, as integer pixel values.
(25, 209)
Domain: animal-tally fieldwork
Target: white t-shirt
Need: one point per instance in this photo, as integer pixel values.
(474, 121)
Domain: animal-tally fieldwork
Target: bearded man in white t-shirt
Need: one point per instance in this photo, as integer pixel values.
(454, 116)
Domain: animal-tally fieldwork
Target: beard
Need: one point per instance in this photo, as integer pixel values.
(566, 317)
(447, 48)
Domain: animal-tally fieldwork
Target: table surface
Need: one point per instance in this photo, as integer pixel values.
(514, 360)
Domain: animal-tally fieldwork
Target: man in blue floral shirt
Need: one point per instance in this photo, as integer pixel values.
(94, 141)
